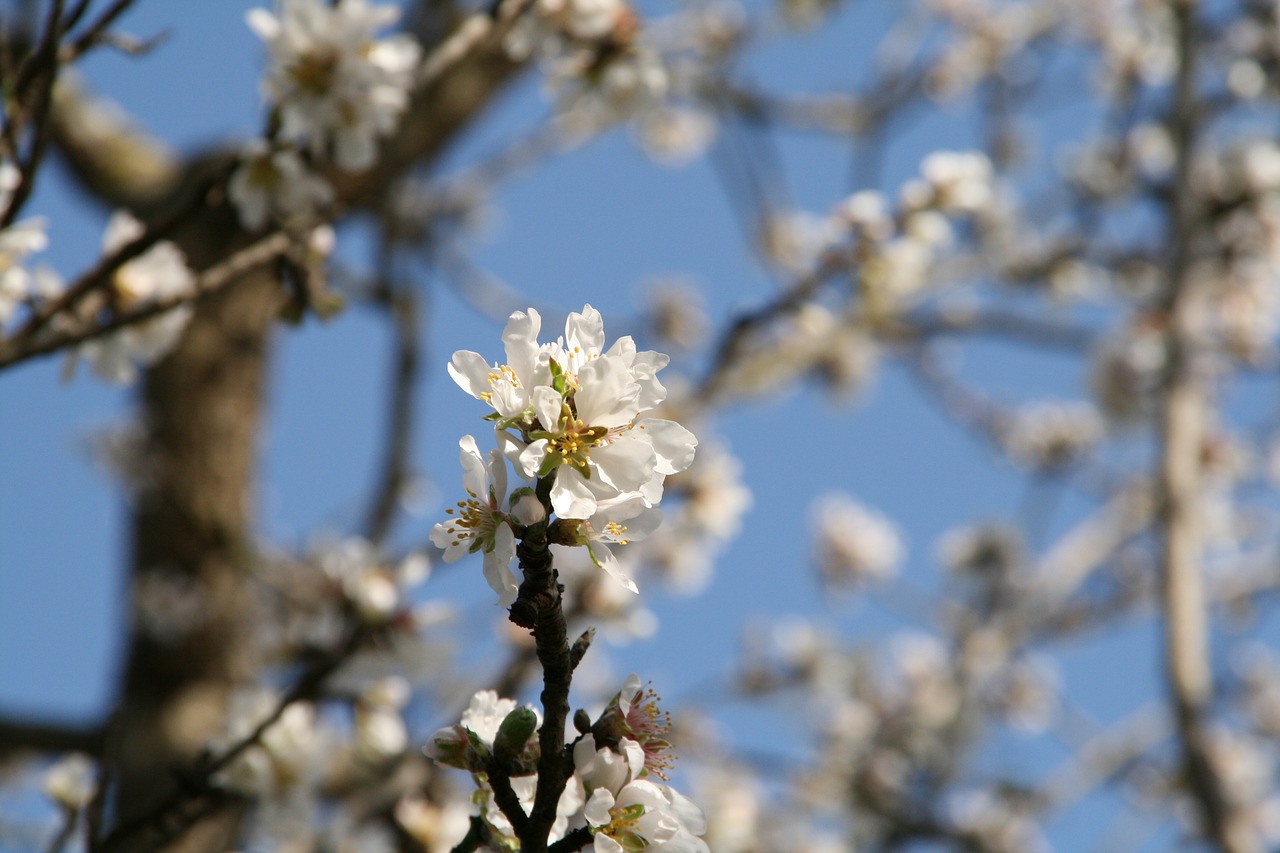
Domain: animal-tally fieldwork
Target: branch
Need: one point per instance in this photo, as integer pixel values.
(27, 343)
(539, 607)
(18, 734)
(1184, 412)
(199, 796)
(401, 303)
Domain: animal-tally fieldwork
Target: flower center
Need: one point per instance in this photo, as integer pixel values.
(500, 373)
(571, 444)
(474, 520)
(621, 827)
(617, 531)
(314, 71)
(650, 725)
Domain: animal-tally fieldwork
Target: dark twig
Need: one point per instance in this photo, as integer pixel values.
(539, 607)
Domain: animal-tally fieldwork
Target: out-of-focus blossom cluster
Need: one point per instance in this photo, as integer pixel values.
(335, 88)
(157, 275)
(890, 724)
(605, 65)
(20, 286)
(853, 544)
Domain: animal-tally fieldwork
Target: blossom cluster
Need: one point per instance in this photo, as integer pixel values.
(157, 275)
(615, 792)
(569, 417)
(336, 88)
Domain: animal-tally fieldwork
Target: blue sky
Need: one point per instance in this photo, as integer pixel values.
(591, 226)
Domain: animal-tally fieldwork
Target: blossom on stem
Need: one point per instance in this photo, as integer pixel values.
(633, 715)
(479, 523)
(574, 408)
(644, 815)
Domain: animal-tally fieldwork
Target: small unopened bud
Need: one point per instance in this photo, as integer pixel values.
(567, 531)
(526, 508)
(582, 721)
(580, 646)
(457, 746)
(515, 730)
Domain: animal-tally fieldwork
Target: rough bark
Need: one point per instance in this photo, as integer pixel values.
(202, 412)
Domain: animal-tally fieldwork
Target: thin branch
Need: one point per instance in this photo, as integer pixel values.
(200, 796)
(24, 345)
(401, 303)
(539, 607)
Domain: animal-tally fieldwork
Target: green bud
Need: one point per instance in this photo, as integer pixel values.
(514, 733)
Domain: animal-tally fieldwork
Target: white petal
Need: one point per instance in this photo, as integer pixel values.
(585, 331)
(688, 813)
(532, 456)
(497, 469)
(474, 478)
(608, 396)
(605, 559)
(262, 22)
(673, 445)
(548, 405)
(626, 464)
(570, 496)
(442, 538)
(521, 339)
(497, 566)
(471, 372)
(598, 806)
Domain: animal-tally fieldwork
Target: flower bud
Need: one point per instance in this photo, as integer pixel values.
(567, 531)
(526, 508)
(458, 746)
(511, 743)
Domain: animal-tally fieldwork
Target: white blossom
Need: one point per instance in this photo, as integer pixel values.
(70, 782)
(577, 409)
(274, 183)
(479, 522)
(331, 79)
(854, 543)
(645, 815)
(158, 274)
(17, 284)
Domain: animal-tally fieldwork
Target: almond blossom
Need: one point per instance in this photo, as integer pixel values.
(480, 523)
(575, 409)
(16, 281)
(158, 274)
(331, 79)
(645, 815)
(274, 182)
